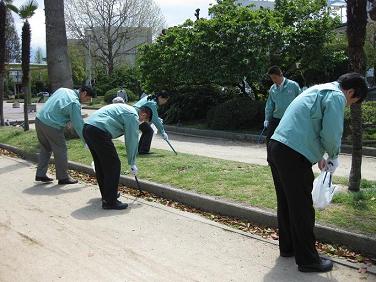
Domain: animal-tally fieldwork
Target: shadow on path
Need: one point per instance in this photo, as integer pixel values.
(94, 210)
(285, 270)
(51, 189)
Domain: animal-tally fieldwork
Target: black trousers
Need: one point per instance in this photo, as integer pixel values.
(106, 160)
(147, 133)
(293, 181)
(273, 123)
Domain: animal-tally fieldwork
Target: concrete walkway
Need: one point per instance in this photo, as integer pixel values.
(60, 233)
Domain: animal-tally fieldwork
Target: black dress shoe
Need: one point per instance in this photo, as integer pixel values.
(117, 205)
(68, 180)
(286, 254)
(145, 153)
(323, 266)
(43, 179)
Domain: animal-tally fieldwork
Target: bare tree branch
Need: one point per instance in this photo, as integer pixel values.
(113, 25)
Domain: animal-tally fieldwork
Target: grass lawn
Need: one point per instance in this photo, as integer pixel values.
(234, 181)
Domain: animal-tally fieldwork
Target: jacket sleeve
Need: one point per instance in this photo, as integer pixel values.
(269, 107)
(74, 110)
(131, 137)
(298, 89)
(158, 122)
(332, 123)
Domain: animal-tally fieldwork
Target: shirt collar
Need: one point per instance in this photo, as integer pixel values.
(282, 84)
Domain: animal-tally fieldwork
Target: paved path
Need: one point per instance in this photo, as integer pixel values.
(16, 114)
(60, 233)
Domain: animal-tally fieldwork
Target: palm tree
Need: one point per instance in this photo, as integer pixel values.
(3, 16)
(59, 67)
(356, 34)
(25, 12)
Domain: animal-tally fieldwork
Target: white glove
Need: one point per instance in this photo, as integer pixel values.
(165, 136)
(331, 165)
(134, 170)
(266, 123)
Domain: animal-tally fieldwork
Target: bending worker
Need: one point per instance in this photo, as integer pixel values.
(152, 102)
(63, 106)
(281, 94)
(109, 122)
(311, 126)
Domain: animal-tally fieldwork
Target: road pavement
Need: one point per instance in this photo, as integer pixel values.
(60, 233)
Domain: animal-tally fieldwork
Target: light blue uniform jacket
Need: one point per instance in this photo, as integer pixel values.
(152, 104)
(63, 106)
(313, 123)
(280, 98)
(117, 120)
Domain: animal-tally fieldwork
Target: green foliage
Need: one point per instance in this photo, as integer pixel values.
(111, 94)
(238, 113)
(368, 118)
(238, 41)
(77, 60)
(122, 76)
(39, 81)
(192, 102)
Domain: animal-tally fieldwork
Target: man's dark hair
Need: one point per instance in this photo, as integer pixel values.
(356, 81)
(148, 111)
(90, 91)
(274, 70)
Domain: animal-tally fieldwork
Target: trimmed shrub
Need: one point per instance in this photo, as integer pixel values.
(192, 102)
(238, 113)
(111, 94)
(368, 117)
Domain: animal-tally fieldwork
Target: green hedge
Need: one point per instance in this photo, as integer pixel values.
(192, 102)
(368, 117)
(111, 94)
(238, 113)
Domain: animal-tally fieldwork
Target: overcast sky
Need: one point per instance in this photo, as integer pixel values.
(174, 11)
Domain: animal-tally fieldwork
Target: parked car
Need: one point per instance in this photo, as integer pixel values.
(43, 94)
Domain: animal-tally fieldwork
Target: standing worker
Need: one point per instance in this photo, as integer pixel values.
(152, 102)
(109, 122)
(63, 106)
(311, 126)
(281, 94)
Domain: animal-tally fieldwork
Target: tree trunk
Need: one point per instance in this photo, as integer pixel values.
(26, 38)
(59, 67)
(356, 34)
(3, 14)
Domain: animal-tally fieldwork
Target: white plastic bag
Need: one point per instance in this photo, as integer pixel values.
(323, 190)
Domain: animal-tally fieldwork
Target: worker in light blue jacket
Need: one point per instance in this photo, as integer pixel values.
(281, 94)
(109, 122)
(311, 126)
(152, 102)
(63, 106)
